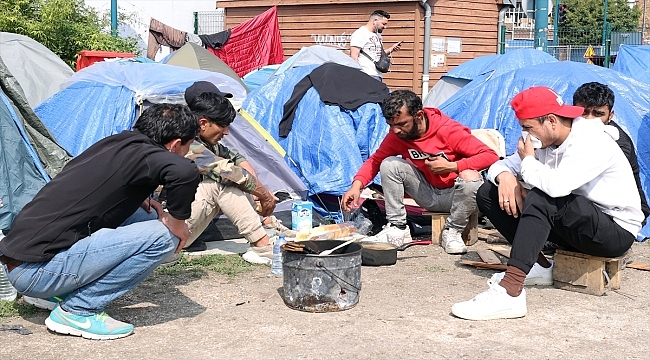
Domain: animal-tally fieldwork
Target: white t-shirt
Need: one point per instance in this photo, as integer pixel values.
(370, 43)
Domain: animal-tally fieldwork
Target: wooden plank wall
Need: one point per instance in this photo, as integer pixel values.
(475, 21)
(332, 25)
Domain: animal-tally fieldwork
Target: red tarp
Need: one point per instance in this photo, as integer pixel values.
(253, 44)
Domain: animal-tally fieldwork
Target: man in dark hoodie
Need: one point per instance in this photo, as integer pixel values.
(91, 234)
(598, 101)
(439, 168)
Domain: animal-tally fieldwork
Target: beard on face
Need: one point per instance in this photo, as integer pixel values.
(411, 135)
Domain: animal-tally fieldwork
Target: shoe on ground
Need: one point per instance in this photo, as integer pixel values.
(538, 275)
(196, 246)
(47, 304)
(452, 242)
(280, 229)
(96, 327)
(393, 235)
(259, 255)
(494, 303)
(172, 260)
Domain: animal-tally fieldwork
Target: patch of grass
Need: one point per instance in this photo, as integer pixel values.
(16, 308)
(435, 268)
(230, 265)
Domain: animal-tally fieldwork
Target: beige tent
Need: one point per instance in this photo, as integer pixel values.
(195, 57)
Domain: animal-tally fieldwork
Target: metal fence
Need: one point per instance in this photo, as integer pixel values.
(209, 22)
(575, 44)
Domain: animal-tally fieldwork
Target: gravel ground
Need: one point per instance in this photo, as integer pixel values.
(403, 312)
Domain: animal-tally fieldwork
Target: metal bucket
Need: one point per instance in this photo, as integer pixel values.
(315, 283)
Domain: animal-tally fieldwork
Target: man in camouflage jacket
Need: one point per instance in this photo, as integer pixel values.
(229, 184)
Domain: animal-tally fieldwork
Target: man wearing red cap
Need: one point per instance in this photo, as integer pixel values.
(582, 197)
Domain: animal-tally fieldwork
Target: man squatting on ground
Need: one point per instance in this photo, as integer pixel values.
(583, 197)
(92, 233)
(439, 168)
(598, 101)
(228, 178)
(367, 39)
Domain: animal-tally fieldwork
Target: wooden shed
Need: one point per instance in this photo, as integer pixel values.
(460, 30)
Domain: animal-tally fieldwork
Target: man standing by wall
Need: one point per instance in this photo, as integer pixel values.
(366, 43)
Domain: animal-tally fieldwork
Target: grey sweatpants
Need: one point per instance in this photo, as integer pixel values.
(399, 177)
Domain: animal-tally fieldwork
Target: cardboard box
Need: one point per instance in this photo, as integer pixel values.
(301, 215)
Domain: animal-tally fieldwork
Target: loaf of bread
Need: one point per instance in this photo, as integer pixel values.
(326, 232)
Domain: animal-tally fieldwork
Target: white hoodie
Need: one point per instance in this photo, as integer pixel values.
(588, 163)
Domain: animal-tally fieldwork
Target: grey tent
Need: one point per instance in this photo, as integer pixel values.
(39, 71)
(51, 155)
(445, 88)
(21, 173)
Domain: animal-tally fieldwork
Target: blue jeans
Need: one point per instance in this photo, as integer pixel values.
(101, 267)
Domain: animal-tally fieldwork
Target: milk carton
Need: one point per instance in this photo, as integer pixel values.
(301, 215)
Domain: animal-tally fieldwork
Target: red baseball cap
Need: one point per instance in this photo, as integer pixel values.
(538, 101)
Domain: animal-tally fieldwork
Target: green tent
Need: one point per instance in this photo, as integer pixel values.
(195, 57)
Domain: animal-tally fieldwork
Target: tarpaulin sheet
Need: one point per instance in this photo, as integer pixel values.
(102, 101)
(485, 105)
(634, 61)
(21, 175)
(328, 144)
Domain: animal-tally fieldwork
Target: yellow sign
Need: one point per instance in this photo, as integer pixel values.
(589, 53)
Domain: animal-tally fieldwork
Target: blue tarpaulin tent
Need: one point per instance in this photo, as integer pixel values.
(484, 105)
(103, 99)
(634, 61)
(327, 143)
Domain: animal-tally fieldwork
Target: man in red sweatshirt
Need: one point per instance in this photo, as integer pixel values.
(439, 168)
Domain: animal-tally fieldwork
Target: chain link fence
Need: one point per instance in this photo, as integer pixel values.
(575, 44)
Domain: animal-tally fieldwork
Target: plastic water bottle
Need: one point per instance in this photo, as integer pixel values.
(7, 291)
(276, 264)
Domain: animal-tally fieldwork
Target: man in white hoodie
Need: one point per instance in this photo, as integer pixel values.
(582, 196)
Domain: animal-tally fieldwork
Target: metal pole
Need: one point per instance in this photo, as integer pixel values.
(605, 22)
(541, 24)
(114, 17)
(556, 41)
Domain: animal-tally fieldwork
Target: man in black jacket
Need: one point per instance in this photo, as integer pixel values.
(598, 101)
(92, 234)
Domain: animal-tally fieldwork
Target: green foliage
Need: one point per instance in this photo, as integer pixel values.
(64, 26)
(16, 308)
(230, 265)
(584, 23)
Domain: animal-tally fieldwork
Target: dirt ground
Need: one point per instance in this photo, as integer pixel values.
(403, 312)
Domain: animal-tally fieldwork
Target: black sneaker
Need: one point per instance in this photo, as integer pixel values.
(197, 245)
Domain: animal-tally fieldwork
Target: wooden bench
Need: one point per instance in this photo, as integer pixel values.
(587, 274)
(470, 233)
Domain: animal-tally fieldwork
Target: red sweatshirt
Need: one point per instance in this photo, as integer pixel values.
(444, 135)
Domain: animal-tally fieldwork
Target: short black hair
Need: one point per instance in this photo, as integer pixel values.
(380, 13)
(393, 103)
(213, 107)
(163, 123)
(594, 94)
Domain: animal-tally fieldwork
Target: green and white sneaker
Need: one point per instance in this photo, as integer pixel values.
(47, 304)
(97, 327)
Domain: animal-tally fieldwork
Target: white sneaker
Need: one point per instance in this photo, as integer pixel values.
(494, 303)
(452, 241)
(392, 235)
(259, 255)
(538, 275)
